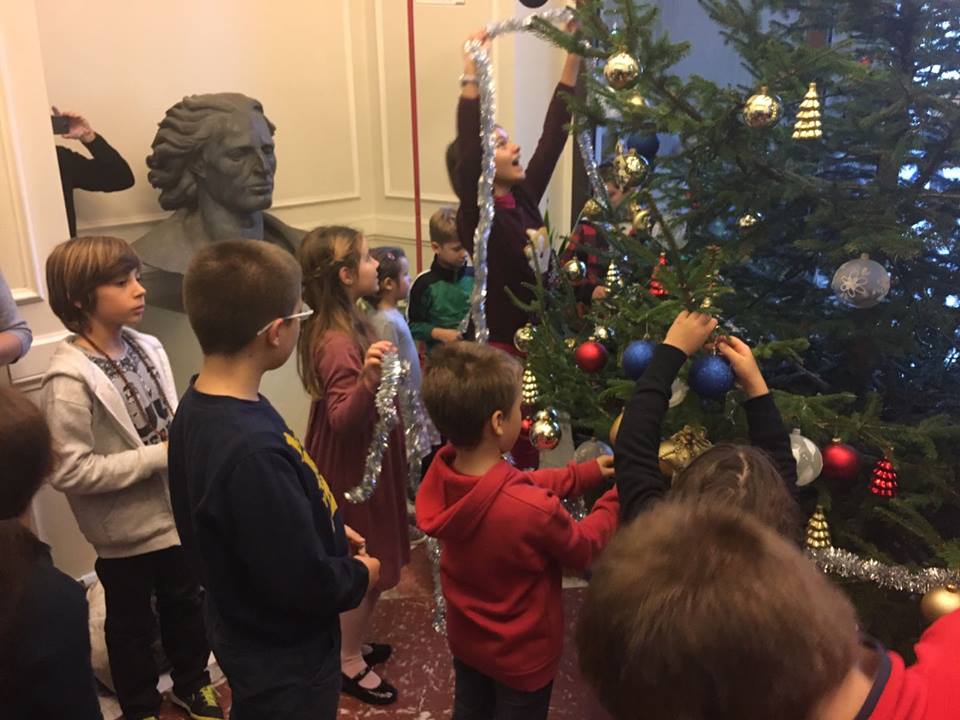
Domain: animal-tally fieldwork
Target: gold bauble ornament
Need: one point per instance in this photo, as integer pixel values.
(808, 125)
(523, 337)
(642, 219)
(545, 433)
(681, 449)
(748, 221)
(570, 343)
(761, 110)
(591, 210)
(575, 269)
(621, 70)
(818, 530)
(629, 168)
(615, 429)
(939, 602)
(529, 392)
(604, 335)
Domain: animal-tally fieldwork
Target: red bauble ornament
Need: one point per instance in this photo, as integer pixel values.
(590, 357)
(526, 424)
(884, 479)
(840, 461)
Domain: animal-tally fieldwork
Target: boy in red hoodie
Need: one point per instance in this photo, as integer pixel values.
(703, 612)
(505, 536)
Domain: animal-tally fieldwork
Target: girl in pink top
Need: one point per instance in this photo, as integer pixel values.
(340, 367)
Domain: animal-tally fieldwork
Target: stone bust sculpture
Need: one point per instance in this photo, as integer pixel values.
(213, 161)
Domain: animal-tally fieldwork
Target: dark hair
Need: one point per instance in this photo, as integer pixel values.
(388, 268)
(452, 158)
(233, 288)
(465, 385)
(443, 226)
(323, 252)
(744, 477)
(705, 612)
(26, 456)
(77, 267)
(185, 129)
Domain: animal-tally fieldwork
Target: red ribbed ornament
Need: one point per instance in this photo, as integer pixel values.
(840, 461)
(884, 479)
(656, 287)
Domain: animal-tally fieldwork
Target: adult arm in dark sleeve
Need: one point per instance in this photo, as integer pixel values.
(768, 433)
(105, 171)
(636, 451)
(550, 146)
(468, 167)
(284, 557)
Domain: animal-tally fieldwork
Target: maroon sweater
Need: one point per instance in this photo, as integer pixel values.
(513, 215)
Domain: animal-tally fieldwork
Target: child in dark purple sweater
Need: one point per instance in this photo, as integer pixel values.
(516, 194)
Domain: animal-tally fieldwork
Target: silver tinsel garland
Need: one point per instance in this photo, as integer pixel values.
(488, 112)
(419, 434)
(845, 564)
(391, 377)
(439, 603)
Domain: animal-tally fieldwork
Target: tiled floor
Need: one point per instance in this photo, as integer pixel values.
(421, 666)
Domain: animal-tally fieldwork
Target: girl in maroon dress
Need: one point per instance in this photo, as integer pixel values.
(340, 367)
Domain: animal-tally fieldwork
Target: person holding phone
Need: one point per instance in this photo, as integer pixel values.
(104, 171)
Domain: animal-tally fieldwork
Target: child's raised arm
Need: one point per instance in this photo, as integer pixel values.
(637, 446)
(764, 422)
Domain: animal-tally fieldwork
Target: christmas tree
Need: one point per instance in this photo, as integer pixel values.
(846, 146)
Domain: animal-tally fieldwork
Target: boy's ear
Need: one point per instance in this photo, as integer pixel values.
(272, 334)
(496, 422)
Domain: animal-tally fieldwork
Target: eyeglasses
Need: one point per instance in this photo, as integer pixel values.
(296, 316)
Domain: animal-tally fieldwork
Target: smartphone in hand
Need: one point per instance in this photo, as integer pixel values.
(61, 124)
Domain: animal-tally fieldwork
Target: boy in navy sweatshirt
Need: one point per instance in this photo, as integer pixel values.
(253, 513)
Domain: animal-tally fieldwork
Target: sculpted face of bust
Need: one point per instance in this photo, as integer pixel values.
(237, 164)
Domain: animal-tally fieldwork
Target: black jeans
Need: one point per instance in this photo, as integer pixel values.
(293, 682)
(130, 584)
(478, 697)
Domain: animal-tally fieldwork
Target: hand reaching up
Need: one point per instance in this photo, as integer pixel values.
(744, 365)
(690, 331)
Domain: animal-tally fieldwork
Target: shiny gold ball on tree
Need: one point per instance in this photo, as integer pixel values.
(642, 219)
(629, 168)
(621, 70)
(591, 210)
(570, 343)
(604, 335)
(761, 110)
(748, 221)
(523, 337)
(545, 433)
(575, 269)
(939, 602)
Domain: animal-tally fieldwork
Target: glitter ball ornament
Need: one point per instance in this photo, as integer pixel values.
(605, 335)
(545, 433)
(748, 222)
(840, 461)
(808, 457)
(629, 167)
(591, 450)
(523, 337)
(591, 210)
(615, 429)
(939, 602)
(681, 449)
(636, 357)
(641, 219)
(861, 283)
(574, 270)
(711, 377)
(590, 357)
(808, 125)
(529, 391)
(621, 70)
(570, 343)
(883, 481)
(818, 531)
(761, 110)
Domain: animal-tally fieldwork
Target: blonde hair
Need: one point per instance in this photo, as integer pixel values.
(443, 226)
(77, 267)
(323, 252)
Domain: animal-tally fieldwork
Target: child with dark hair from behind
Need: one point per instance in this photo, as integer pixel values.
(760, 477)
(45, 670)
(706, 613)
(256, 517)
(506, 536)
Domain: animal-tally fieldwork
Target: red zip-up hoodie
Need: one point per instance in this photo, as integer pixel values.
(927, 690)
(505, 539)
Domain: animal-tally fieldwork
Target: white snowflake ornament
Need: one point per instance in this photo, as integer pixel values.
(861, 283)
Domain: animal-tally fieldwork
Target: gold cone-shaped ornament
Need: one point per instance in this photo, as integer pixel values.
(807, 126)
(529, 392)
(818, 530)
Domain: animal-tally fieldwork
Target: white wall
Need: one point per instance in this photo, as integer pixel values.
(332, 75)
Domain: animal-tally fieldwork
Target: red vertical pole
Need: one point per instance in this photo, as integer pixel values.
(411, 45)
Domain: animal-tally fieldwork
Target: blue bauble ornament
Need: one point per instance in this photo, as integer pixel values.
(711, 377)
(636, 357)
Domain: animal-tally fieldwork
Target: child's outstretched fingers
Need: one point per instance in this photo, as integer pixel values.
(744, 364)
(690, 331)
(606, 465)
